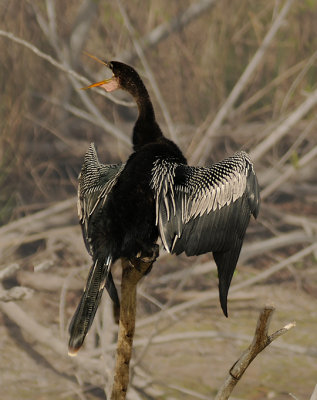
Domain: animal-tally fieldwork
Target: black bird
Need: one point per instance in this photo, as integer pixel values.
(124, 208)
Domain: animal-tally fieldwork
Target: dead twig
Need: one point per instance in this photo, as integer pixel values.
(266, 89)
(314, 395)
(61, 66)
(49, 282)
(43, 55)
(205, 144)
(162, 31)
(165, 308)
(302, 73)
(45, 336)
(30, 222)
(288, 172)
(94, 115)
(249, 250)
(189, 392)
(266, 177)
(219, 335)
(260, 341)
(84, 20)
(16, 293)
(214, 294)
(296, 220)
(149, 72)
(9, 271)
(285, 126)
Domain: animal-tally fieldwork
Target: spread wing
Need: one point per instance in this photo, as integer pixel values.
(95, 183)
(203, 209)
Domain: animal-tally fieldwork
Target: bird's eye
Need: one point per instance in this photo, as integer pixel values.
(110, 65)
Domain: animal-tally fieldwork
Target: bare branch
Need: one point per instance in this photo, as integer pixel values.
(297, 220)
(193, 394)
(74, 146)
(314, 395)
(15, 294)
(90, 117)
(248, 251)
(267, 176)
(51, 13)
(285, 126)
(43, 24)
(149, 72)
(96, 114)
(214, 294)
(288, 172)
(44, 335)
(162, 31)
(266, 89)
(296, 81)
(43, 55)
(204, 146)
(30, 222)
(260, 341)
(219, 335)
(84, 20)
(61, 66)
(9, 271)
(106, 125)
(165, 308)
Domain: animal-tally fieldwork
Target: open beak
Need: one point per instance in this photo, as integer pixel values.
(96, 58)
(103, 84)
(110, 84)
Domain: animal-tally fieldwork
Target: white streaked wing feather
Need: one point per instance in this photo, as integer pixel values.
(203, 191)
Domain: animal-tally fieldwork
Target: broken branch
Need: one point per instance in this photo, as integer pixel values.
(260, 341)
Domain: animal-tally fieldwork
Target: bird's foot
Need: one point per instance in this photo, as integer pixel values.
(147, 256)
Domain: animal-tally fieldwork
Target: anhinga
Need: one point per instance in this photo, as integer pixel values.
(124, 208)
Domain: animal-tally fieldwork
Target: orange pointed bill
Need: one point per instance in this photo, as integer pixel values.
(110, 84)
(105, 82)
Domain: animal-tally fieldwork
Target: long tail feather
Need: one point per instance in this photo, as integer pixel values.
(226, 264)
(89, 302)
(112, 290)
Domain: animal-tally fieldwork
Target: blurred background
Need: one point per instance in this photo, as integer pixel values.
(223, 76)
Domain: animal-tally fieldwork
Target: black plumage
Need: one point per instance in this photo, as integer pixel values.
(124, 208)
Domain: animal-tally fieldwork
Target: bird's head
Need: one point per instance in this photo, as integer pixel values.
(123, 76)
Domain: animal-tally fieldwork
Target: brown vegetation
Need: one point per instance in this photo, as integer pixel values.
(193, 56)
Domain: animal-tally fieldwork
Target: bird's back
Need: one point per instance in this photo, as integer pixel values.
(130, 208)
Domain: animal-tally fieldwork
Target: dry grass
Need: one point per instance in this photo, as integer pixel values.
(46, 125)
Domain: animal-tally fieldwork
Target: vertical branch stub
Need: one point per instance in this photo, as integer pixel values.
(132, 272)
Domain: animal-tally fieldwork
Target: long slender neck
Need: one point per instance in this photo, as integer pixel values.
(146, 129)
(143, 102)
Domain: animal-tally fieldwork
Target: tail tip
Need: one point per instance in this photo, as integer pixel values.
(223, 303)
(74, 345)
(225, 310)
(72, 351)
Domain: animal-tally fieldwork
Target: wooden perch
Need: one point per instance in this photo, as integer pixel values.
(132, 272)
(260, 341)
